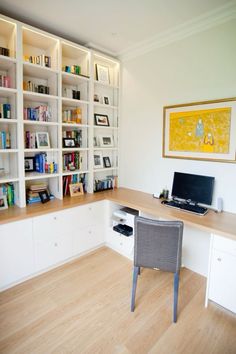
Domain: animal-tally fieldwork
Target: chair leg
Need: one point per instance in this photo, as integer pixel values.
(176, 291)
(135, 278)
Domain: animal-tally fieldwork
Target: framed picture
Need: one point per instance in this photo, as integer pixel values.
(69, 142)
(107, 161)
(106, 100)
(106, 140)
(96, 98)
(29, 164)
(44, 196)
(98, 159)
(101, 119)
(102, 74)
(42, 140)
(76, 189)
(3, 202)
(200, 130)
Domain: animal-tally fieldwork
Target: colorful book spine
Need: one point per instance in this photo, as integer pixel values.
(5, 140)
(5, 111)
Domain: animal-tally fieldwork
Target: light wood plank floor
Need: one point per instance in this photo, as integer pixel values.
(84, 307)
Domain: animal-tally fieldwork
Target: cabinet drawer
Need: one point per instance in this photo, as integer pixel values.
(224, 244)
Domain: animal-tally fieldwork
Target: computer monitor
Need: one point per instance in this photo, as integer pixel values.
(196, 188)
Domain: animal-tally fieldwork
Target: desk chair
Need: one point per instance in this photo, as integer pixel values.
(157, 244)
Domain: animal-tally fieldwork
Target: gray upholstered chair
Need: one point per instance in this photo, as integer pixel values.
(157, 244)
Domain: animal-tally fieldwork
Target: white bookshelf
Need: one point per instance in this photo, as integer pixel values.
(72, 67)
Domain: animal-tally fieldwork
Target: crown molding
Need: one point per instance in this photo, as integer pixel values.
(199, 24)
(101, 49)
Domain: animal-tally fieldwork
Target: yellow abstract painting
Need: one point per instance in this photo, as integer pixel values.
(203, 131)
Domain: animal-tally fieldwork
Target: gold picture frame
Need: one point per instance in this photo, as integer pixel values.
(76, 189)
(200, 131)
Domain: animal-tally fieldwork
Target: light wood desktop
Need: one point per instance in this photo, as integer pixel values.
(220, 223)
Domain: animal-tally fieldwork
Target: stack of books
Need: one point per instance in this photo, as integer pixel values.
(5, 81)
(43, 60)
(72, 115)
(5, 140)
(5, 110)
(32, 192)
(40, 113)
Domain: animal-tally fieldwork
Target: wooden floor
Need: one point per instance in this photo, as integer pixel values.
(84, 307)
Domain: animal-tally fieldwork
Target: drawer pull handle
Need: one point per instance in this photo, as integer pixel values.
(55, 244)
(219, 259)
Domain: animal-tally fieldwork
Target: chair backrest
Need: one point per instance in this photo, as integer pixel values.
(158, 244)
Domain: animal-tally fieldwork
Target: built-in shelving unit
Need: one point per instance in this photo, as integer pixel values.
(50, 86)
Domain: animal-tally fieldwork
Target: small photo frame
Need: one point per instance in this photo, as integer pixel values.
(98, 159)
(102, 74)
(106, 140)
(76, 189)
(106, 100)
(69, 142)
(44, 196)
(107, 161)
(101, 119)
(29, 164)
(3, 202)
(96, 98)
(42, 139)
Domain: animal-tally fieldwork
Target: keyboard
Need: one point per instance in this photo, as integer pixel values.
(196, 209)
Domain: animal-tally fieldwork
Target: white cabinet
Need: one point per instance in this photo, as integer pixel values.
(222, 273)
(16, 252)
(120, 243)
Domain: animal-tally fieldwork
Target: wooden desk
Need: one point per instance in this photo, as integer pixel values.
(220, 223)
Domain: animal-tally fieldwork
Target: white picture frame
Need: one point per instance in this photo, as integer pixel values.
(42, 139)
(98, 159)
(102, 73)
(106, 140)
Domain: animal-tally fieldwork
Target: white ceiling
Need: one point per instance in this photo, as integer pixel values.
(114, 26)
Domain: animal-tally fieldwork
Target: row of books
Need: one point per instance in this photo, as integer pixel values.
(42, 165)
(31, 86)
(73, 134)
(4, 51)
(72, 161)
(73, 69)
(7, 189)
(108, 183)
(70, 93)
(40, 113)
(5, 140)
(5, 110)
(72, 115)
(43, 60)
(5, 81)
(30, 140)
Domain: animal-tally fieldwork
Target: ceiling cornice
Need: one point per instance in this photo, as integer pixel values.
(209, 20)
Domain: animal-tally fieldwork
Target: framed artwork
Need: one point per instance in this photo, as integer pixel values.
(106, 100)
(44, 196)
(106, 140)
(98, 159)
(29, 164)
(101, 119)
(102, 74)
(76, 189)
(200, 130)
(69, 142)
(3, 202)
(107, 161)
(42, 139)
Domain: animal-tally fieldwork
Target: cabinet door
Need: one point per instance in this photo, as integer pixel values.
(87, 238)
(16, 251)
(53, 239)
(222, 288)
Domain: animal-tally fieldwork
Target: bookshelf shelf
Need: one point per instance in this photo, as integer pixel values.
(36, 60)
(37, 175)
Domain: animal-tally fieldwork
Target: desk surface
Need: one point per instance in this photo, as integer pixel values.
(222, 223)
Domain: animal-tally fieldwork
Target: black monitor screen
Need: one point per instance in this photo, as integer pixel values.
(198, 189)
